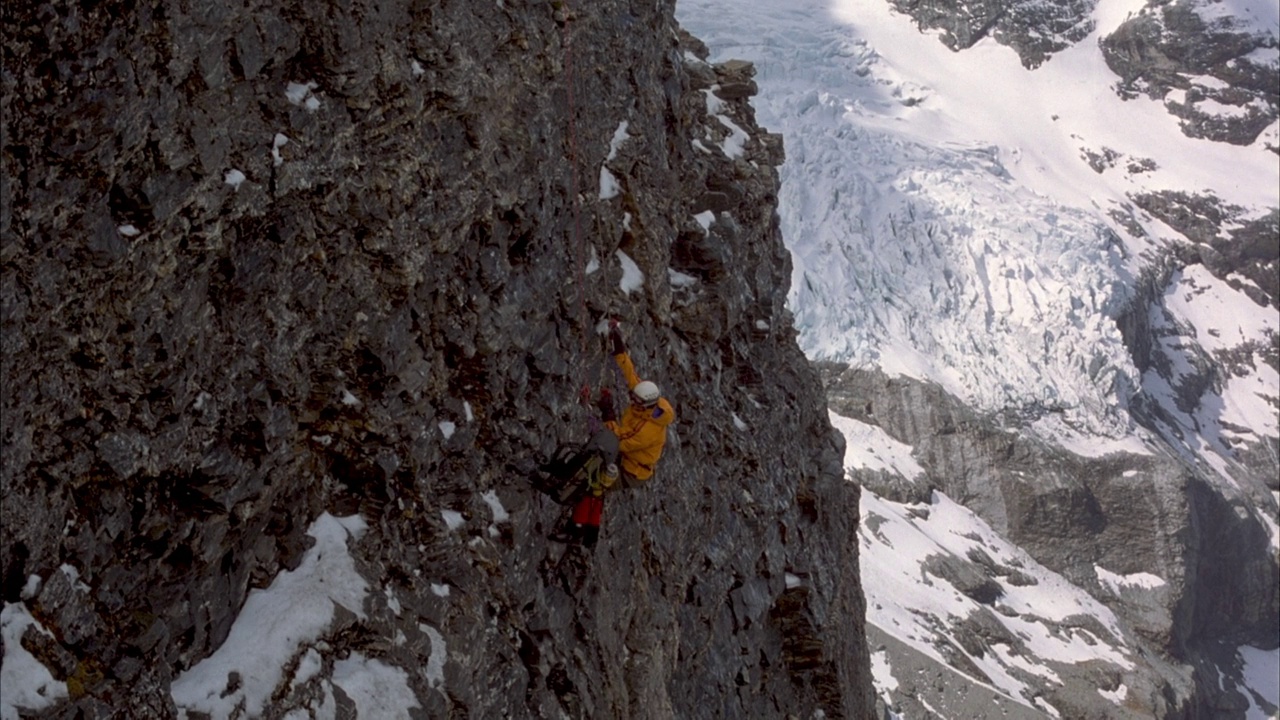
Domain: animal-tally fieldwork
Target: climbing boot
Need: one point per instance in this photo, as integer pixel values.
(570, 534)
(590, 535)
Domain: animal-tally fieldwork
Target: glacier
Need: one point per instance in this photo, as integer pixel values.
(942, 216)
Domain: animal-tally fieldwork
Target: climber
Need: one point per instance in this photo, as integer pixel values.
(642, 430)
(641, 434)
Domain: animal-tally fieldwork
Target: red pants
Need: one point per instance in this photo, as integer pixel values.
(587, 511)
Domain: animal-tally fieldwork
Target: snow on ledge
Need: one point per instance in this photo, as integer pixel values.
(1260, 669)
(24, 681)
(1115, 581)
(275, 623)
(452, 519)
(1116, 696)
(499, 512)
(377, 689)
(619, 136)
(632, 275)
(870, 447)
(609, 187)
(302, 94)
(882, 673)
(1054, 430)
(436, 660)
(447, 428)
(279, 141)
(678, 279)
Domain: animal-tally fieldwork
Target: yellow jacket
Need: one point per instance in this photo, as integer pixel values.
(641, 431)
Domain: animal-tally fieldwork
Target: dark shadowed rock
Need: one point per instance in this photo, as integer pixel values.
(266, 261)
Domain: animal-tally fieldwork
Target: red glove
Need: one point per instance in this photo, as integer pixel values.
(605, 404)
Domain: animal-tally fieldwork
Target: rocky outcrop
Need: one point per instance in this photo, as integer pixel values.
(267, 261)
(1194, 376)
(1211, 70)
(1227, 241)
(1036, 30)
(1119, 513)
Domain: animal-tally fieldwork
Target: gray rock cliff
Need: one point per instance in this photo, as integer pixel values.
(258, 257)
(1128, 513)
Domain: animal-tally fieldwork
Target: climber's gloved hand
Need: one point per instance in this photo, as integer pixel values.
(605, 404)
(616, 345)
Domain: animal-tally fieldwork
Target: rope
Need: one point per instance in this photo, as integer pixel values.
(619, 382)
(579, 242)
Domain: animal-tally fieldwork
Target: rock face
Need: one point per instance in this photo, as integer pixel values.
(1196, 373)
(1230, 245)
(1199, 62)
(267, 261)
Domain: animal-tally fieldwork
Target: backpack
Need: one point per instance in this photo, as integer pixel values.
(568, 476)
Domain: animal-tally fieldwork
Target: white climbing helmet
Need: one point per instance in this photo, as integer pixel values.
(646, 392)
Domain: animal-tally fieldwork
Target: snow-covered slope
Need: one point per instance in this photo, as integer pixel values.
(942, 584)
